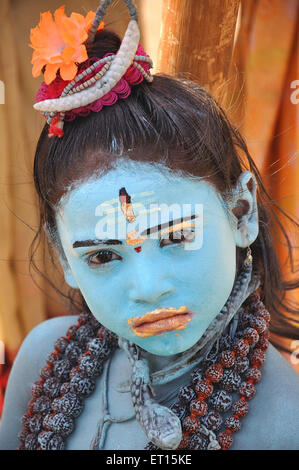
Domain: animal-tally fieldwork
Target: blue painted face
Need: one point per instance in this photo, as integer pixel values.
(119, 283)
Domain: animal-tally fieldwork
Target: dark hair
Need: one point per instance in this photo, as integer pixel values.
(177, 123)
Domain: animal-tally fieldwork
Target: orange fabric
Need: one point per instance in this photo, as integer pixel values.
(267, 50)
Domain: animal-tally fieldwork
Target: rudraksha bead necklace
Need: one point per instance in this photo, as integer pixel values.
(78, 359)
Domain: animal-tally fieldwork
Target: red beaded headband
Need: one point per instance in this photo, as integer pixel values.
(74, 84)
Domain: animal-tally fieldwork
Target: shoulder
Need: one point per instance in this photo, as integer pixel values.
(48, 331)
(273, 419)
(37, 345)
(40, 342)
(280, 382)
(27, 365)
(275, 360)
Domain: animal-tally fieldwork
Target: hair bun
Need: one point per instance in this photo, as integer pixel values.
(105, 42)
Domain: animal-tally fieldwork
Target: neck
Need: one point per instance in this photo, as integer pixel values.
(157, 363)
(165, 393)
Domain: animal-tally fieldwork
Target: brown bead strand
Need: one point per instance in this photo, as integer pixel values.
(30, 441)
(65, 381)
(255, 336)
(252, 335)
(247, 389)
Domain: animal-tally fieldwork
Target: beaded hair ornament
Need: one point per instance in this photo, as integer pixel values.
(74, 84)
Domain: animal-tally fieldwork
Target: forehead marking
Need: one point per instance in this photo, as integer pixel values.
(179, 226)
(133, 240)
(126, 206)
(127, 209)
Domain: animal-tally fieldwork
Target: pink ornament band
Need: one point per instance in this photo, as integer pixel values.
(88, 72)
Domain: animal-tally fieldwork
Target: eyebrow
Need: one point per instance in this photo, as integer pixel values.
(170, 223)
(156, 228)
(80, 244)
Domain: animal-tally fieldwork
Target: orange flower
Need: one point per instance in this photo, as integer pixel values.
(59, 44)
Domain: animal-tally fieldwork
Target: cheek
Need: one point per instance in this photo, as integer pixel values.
(209, 273)
(101, 293)
(217, 258)
(105, 306)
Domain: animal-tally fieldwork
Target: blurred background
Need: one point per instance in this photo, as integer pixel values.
(245, 52)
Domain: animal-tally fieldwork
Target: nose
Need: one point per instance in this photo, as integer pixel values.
(150, 282)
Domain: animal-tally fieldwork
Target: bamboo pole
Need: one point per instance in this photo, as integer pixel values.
(197, 38)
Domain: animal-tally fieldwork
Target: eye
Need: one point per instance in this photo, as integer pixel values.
(102, 257)
(175, 238)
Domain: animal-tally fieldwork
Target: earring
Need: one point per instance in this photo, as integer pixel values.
(248, 259)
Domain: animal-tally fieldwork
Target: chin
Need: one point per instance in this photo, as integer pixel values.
(166, 344)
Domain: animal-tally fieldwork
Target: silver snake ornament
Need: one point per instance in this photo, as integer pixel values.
(161, 426)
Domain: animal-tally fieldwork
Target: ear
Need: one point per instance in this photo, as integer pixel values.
(244, 210)
(68, 275)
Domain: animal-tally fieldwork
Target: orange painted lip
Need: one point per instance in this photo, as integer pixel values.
(160, 320)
